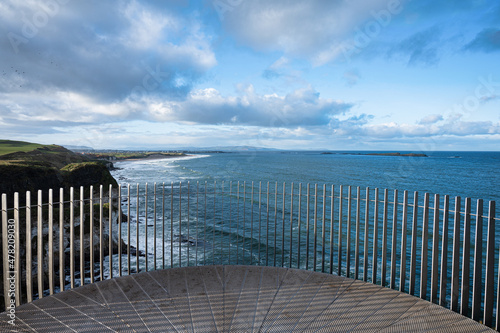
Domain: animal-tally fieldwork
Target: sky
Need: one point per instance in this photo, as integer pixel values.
(289, 74)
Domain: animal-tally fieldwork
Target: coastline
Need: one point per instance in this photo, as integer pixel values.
(151, 157)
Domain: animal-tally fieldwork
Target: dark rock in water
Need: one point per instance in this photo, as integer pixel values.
(185, 239)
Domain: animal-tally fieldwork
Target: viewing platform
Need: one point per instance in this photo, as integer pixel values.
(235, 299)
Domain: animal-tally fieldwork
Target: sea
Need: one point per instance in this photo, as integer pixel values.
(474, 175)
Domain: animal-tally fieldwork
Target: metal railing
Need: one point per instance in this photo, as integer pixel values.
(381, 236)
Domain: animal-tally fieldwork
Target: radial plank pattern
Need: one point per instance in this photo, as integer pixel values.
(234, 299)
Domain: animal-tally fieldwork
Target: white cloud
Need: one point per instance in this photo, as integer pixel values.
(314, 29)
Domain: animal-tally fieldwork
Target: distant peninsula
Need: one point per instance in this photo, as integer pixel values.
(379, 154)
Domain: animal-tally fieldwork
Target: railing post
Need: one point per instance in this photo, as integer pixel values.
(464, 300)
(62, 274)
(339, 268)
(358, 238)
(477, 314)
(91, 233)
(348, 241)
(51, 242)
(72, 236)
(101, 240)
(383, 276)
(375, 238)
(40, 245)
(444, 253)
(110, 229)
(413, 256)
(332, 206)
(315, 227)
(394, 240)
(17, 242)
(366, 235)
(323, 231)
(29, 258)
(455, 268)
(5, 252)
(82, 230)
(490, 268)
(404, 231)
(425, 244)
(435, 251)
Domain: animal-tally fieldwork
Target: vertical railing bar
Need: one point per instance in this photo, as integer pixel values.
(71, 239)
(188, 231)
(260, 218)
(267, 224)
(137, 239)
(394, 242)
(29, 259)
(283, 229)
(17, 247)
(163, 225)
(356, 246)
(444, 252)
(146, 250)
(119, 220)
(455, 268)
(82, 229)
(349, 216)
(490, 268)
(51, 242)
(110, 222)
(413, 256)
(221, 224)
(128, 230)
(307, 227)
(172, 221)
(478, 264)
(366, 235)
(180, 223)
(230, 222)
(315, 229)
(425, 244)
(154, 227)
(464, 300)
(435, 251)
(213, 230)
(275, 219)
(5, 252)
(323, 231)
(384, 239)
(205, 226)
(197, 219)
(341, 194)
(404, 231)
(291, 224)
(332, 206)
(238, 223)
(375, 238)
(62, 274)
(40, 245)
(299, 222)
(251, 227)
(91, 233)
(243, 226)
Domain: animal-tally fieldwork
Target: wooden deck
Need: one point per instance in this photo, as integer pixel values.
(234, 299)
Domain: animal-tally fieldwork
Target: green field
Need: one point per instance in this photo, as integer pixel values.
(8, 146)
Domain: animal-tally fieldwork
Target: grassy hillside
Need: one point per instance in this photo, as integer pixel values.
(28, 166)
(8, 146)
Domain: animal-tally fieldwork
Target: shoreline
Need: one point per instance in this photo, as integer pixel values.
(151, 157)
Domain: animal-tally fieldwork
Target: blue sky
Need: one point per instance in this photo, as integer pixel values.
(317, 74)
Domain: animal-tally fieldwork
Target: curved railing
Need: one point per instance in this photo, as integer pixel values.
(440, 249)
